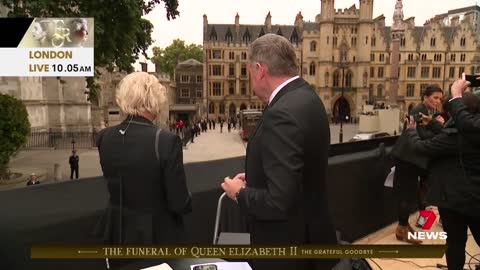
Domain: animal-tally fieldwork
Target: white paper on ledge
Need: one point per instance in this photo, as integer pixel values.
(227, 265)
(162, 266)
(389, 180)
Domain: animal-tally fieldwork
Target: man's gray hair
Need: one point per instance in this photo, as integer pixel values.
(277, 53)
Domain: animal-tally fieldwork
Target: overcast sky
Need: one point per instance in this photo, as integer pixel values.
(189, 25)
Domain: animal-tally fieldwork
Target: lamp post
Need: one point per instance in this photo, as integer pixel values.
(206, 85)
(343, 65)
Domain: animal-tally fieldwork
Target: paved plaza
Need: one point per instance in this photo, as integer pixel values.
(210, 145)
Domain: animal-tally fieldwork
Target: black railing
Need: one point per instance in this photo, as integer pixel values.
(61, 140)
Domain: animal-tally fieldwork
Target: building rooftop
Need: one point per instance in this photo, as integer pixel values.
(248, 32)
(189, 62)
(465, 9)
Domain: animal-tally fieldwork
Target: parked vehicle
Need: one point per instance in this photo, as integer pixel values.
(248, 121)
(369, 136)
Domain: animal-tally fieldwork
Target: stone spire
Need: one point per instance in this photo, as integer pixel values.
(299, 21)
(398, 17)
(268, 22)
(237, 26)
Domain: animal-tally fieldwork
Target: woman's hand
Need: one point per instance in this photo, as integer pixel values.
(410, 123)
(425, 119)
(440, 119)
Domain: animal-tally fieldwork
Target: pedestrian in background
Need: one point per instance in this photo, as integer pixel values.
(73, 161)
(33, 180)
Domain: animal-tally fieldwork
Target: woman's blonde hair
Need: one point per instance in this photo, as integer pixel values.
(140, 92)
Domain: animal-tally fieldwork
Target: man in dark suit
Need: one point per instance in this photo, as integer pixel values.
(73, 161)
(283, 189)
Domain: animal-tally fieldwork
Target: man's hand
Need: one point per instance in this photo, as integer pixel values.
(232, 186)
(241, 176)
(458, 87)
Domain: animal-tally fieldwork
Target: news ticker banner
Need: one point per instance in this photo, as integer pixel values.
(238, 252)
(47, 47)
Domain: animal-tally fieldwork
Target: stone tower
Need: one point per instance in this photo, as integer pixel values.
(327, 14)
(365, 27)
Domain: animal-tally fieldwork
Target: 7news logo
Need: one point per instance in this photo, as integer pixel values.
(426, 220)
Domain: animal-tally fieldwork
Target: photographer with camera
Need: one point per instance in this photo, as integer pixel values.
(454, 180)
(464, 121)
(409, 166)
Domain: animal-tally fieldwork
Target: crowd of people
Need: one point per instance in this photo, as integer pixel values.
(188, 131)
(282, 192)
(437, 163)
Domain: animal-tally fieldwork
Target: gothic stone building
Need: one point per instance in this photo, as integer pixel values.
(107, 110)
(56, 104)
(189, 91)
(346, 49)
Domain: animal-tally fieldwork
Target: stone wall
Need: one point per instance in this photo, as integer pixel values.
(29, 90)
(57, 104)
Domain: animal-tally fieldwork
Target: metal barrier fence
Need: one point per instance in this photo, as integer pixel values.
(61, 140)
(77, 140)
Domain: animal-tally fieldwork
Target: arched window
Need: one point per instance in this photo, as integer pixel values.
(211, 108)
(336, 78)
(343, 56)
(432, 42)
(410, 107)
(380, 90)
(243, 71)
(231, 70)
(348, 79)
(326, 78)
(231, 88)
(312, 69)
(313, 46)
(222, 108)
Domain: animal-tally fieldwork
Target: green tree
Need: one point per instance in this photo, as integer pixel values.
(174, 53)
(14, 130)
(121, 34)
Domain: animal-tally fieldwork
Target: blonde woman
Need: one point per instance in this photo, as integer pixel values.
(143, 167)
